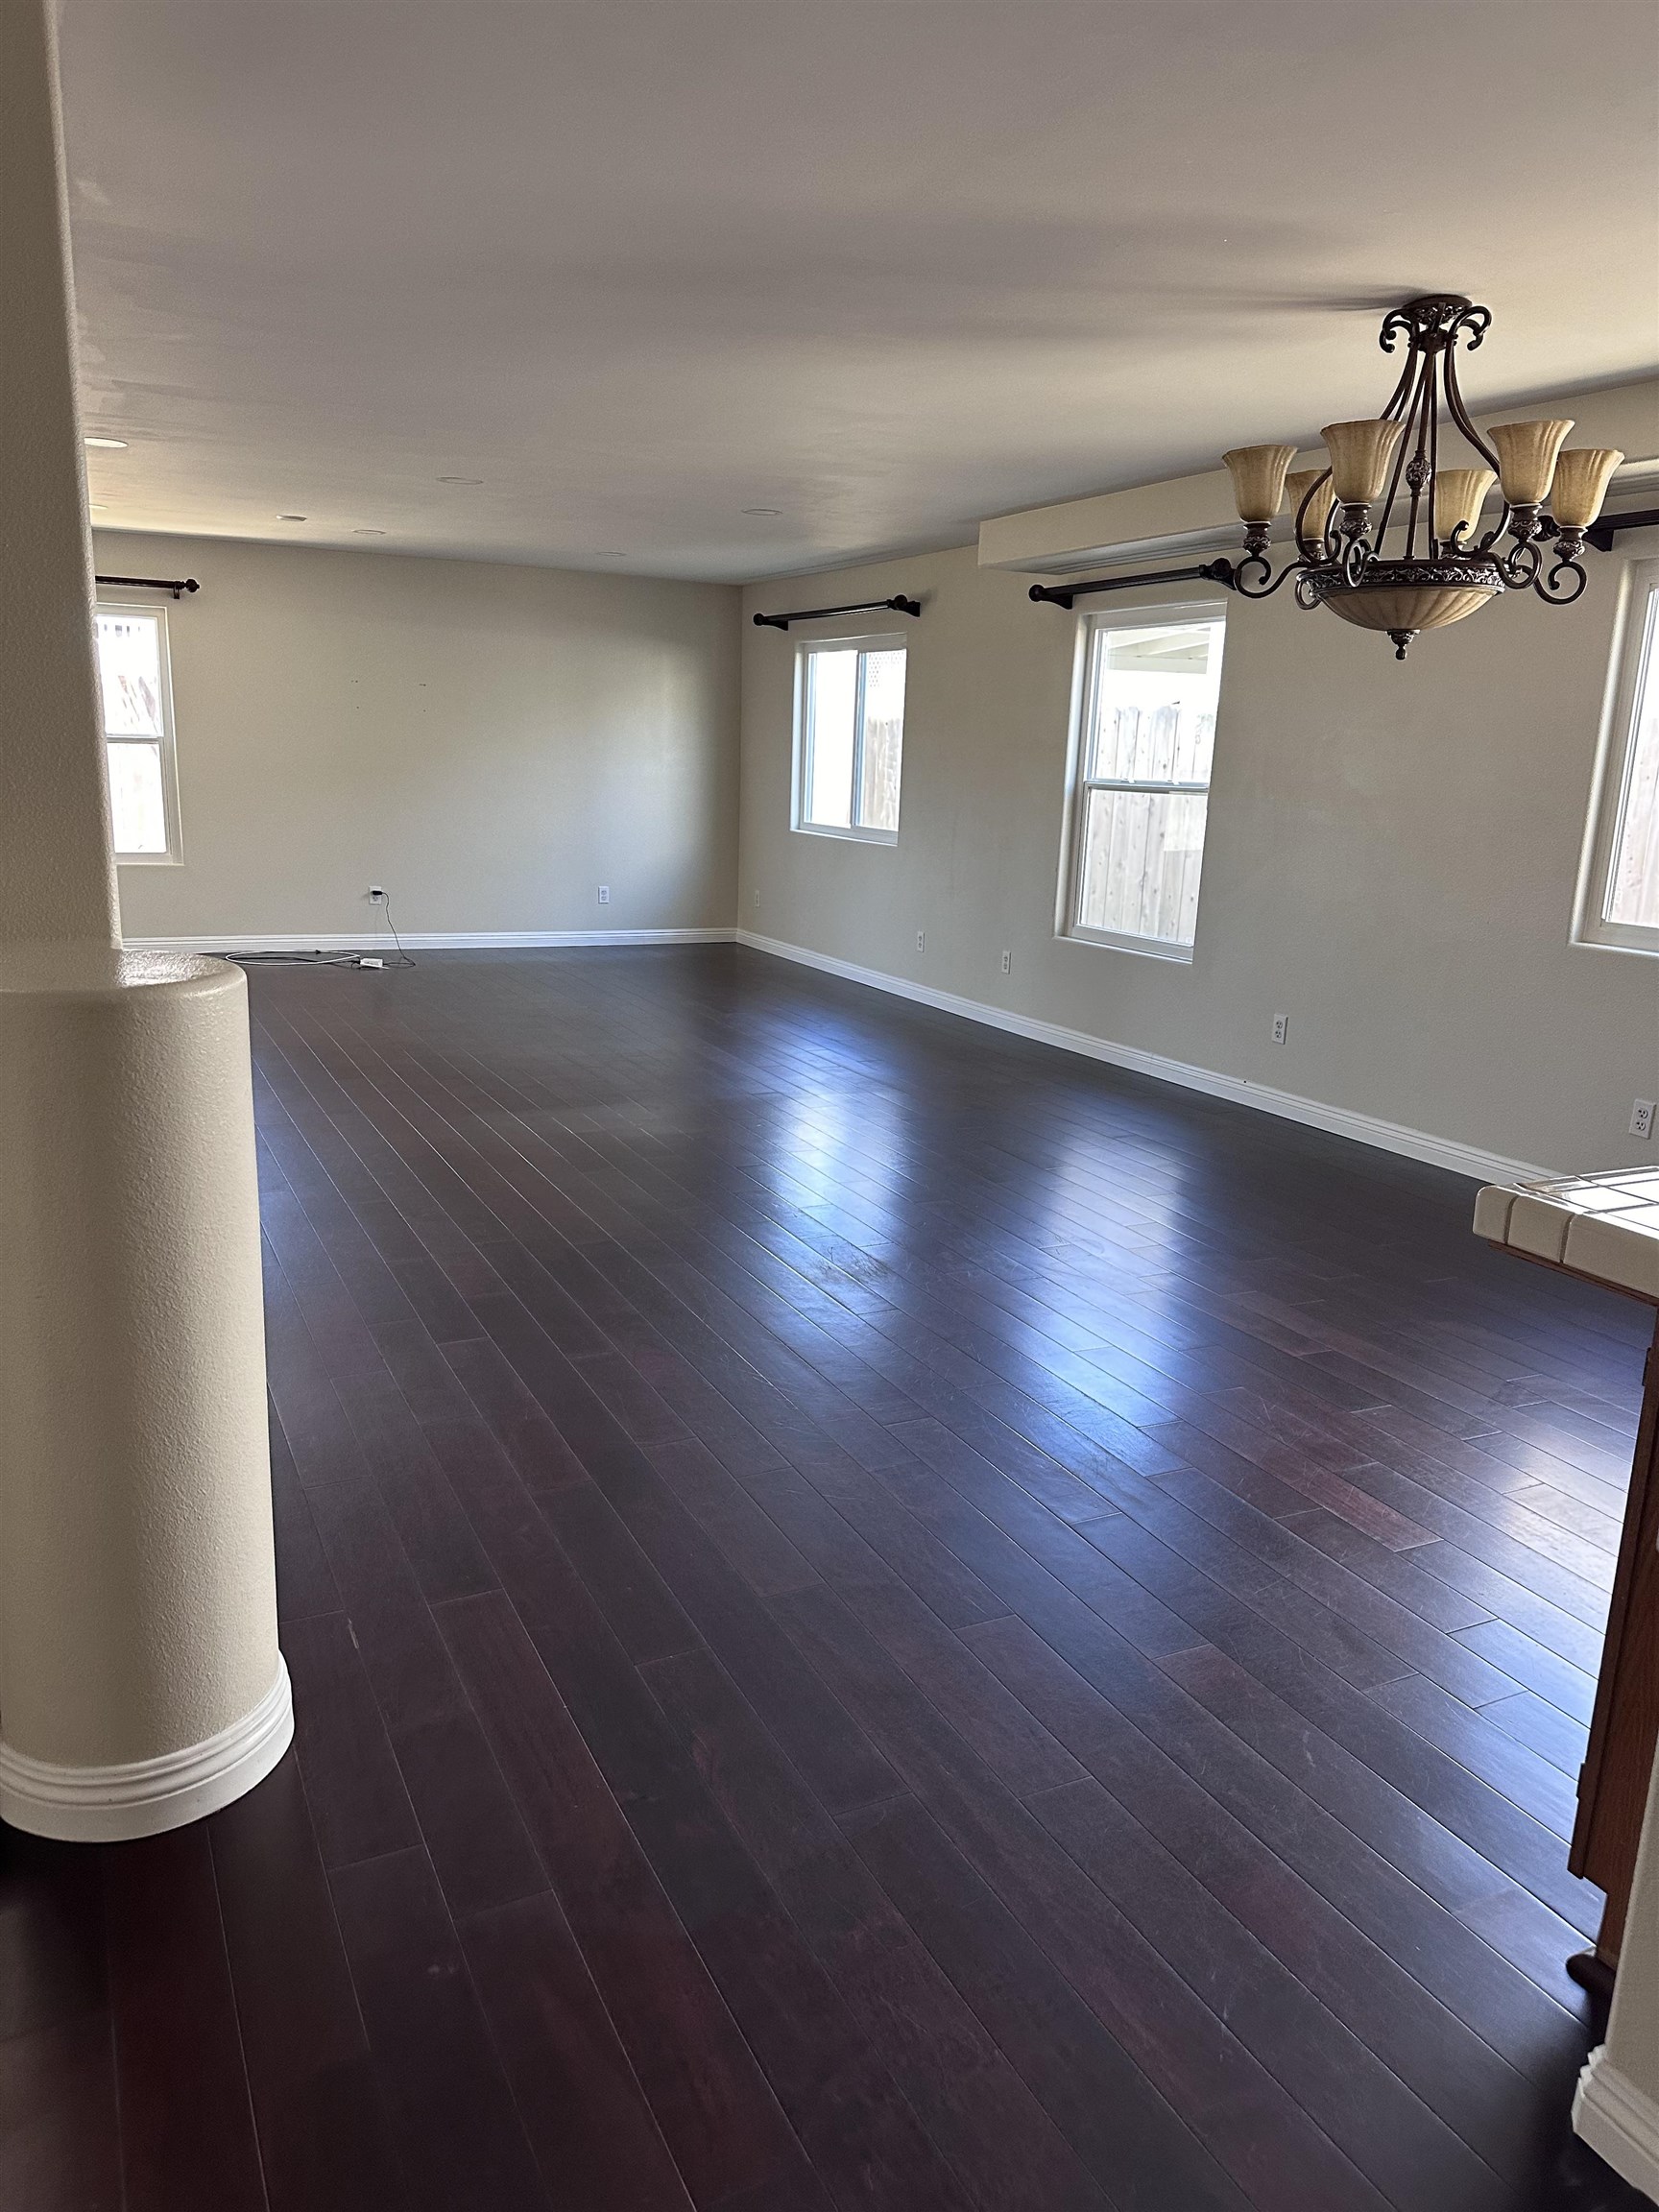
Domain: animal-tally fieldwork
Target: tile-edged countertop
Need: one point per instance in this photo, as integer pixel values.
(1605, 1227)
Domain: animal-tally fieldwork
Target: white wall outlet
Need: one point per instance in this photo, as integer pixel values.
(604, 894)
(757, 898)
(921, 940)
(1281, 1027)
(377, 891)
(1007, 963)
(1641, 1117)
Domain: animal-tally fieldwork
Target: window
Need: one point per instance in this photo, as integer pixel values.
(138, 731)
(1142, 790)
(1619, 902)
(848, 737)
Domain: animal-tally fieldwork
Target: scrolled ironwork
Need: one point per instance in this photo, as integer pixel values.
(1555, 594)
(1519, 565)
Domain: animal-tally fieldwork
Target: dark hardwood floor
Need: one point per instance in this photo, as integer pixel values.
(880, 1617)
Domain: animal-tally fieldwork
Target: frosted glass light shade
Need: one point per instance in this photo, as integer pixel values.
(1582, 475)
(1297, 486)
(1258, 479)
(1360, 453)
(1421, 607)
(1526, 459)
(1460, 493)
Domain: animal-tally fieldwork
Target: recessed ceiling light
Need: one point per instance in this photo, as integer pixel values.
(293, 518)
(460, 479)
(369, 533)
(762, 510)
(609, 553)
(107, 444)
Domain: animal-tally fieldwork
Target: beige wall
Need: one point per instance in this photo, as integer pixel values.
(1392, 861)
(490, 743)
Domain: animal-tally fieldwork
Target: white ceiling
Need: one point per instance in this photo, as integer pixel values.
(888, 266)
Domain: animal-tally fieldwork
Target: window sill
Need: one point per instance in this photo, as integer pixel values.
(149, 859)
(846, 836)
(1643, 952)
(1148, 948)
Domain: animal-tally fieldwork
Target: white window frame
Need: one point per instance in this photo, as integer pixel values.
(884, 642)
(1139, 617)
(1635, 653)
(174, 856)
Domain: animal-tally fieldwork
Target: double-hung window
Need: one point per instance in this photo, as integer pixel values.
(132, 678)
(850, 737)
(1619, 902)
(1141, 786)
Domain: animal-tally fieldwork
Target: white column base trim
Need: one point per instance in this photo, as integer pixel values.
(1448, 1152)
(1619, 2122)
(142, 1797)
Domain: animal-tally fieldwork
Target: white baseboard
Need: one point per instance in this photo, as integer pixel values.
(1619, 2122)
(144, 1796)
(370, 940)
(1338, 1120)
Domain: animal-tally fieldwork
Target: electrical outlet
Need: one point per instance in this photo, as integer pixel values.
(757, 898)
(1281, 1027)
(1641, 1117)
(376, 892)
(921, 940)
(604, 894)
(1007, 963)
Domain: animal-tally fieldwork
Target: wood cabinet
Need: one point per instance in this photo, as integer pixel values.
(1613, 1782)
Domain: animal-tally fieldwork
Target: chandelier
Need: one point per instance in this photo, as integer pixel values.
(1387, 473)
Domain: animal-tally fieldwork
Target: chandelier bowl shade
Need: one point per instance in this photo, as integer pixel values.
(1359, 456)
(1526, 459)
(1258, 474)
(1407, 596)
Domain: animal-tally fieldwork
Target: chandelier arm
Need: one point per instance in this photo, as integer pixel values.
(1305, 542)
(1474, 323)
(1306, 593)
(1519, 565)
(1396, 405)
(1549, 590)
(1417, 365)
(1459, 413)
(1263, 591)
(1434, 477)
(1419, 469)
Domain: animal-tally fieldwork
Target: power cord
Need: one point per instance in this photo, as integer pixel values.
(322, 959)
(403, 959)
(294, 959)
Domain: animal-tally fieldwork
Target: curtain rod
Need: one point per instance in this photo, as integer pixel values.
(1063, 595)
(1601, 534)
(177, 585)
(899, 606)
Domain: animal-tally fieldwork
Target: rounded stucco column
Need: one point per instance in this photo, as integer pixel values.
(140, 1682)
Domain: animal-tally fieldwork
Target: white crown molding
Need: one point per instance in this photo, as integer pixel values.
(426, 940)
(144, 1796)
(1619, 2122)
(1338, 1120)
